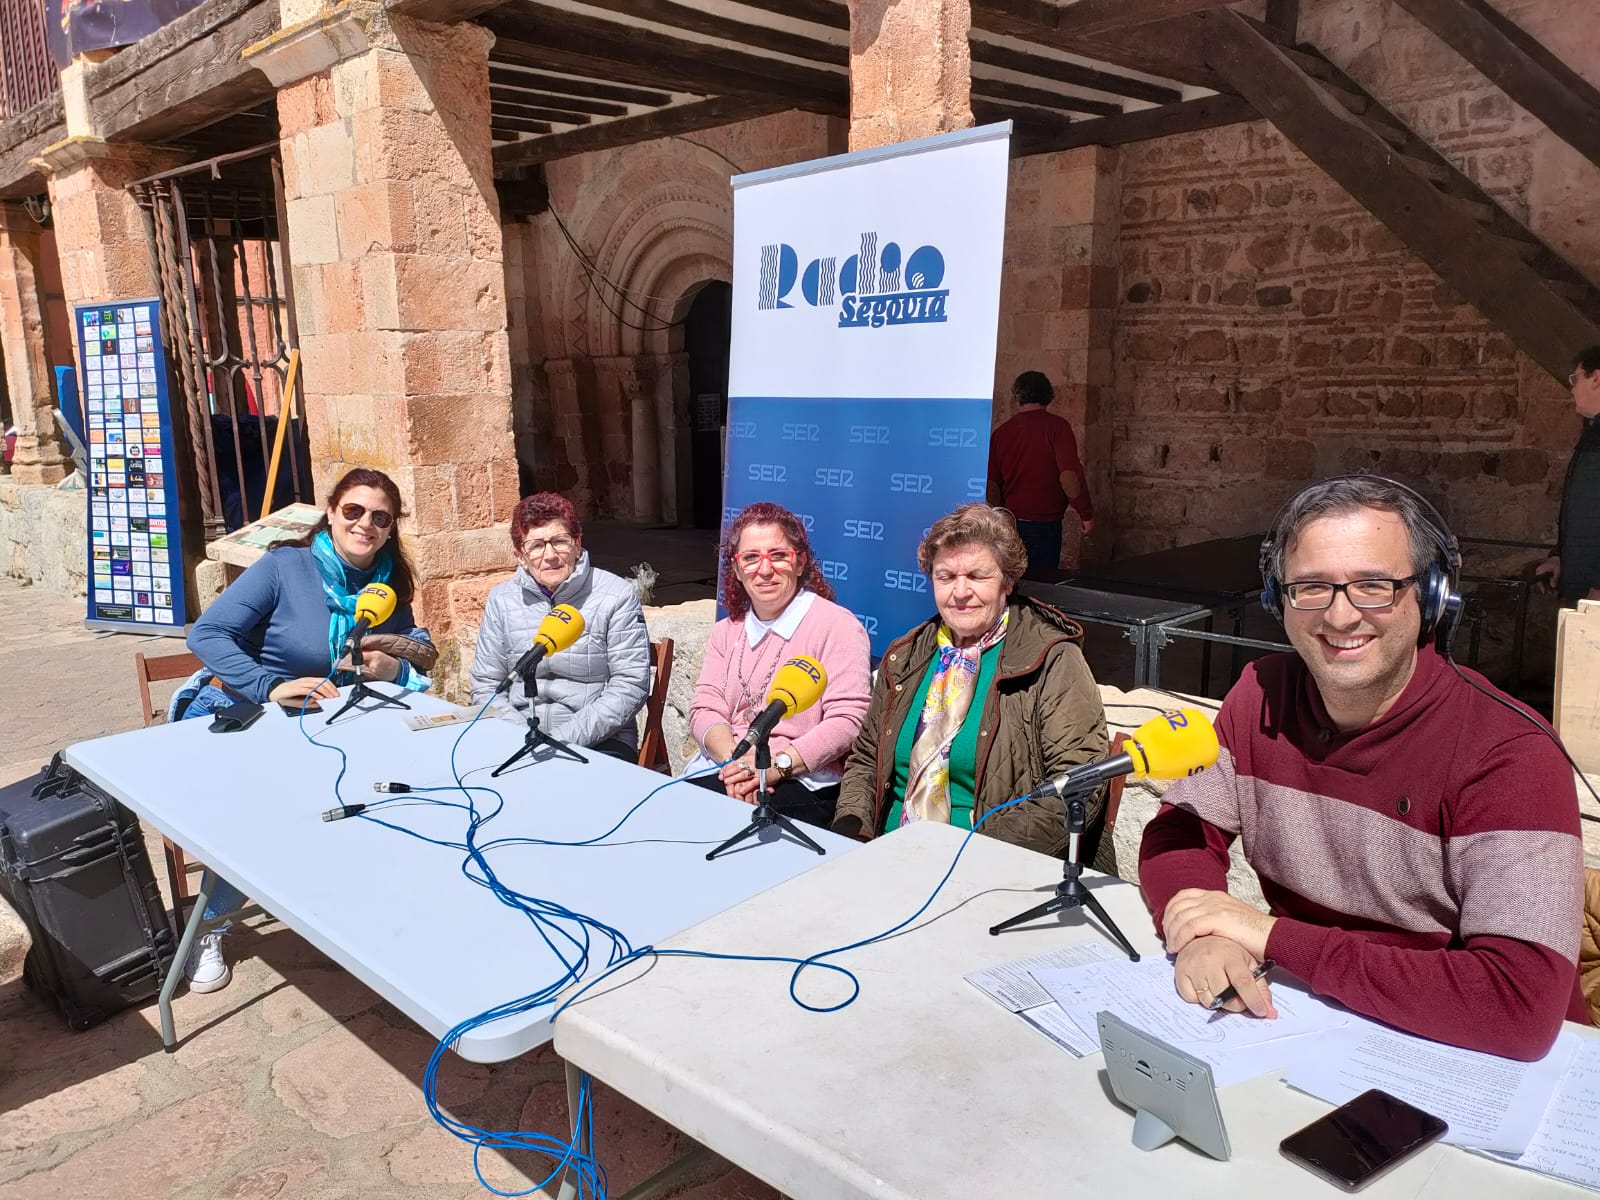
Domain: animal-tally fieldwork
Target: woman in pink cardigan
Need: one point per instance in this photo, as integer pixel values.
(779, 606)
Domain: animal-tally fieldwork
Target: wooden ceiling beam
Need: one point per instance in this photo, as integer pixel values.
(562, 86)
(533, 112)
(1017, 93)
(564, 41)
(600, 108)
(625, 131)
(1083, 18)
(519, 124)
(1208, 112)
(1075, 74)
(756, 37)
(835, 14)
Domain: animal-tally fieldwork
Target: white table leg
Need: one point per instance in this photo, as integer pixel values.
(169, 1038)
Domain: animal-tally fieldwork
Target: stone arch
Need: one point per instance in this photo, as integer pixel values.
(660, 241)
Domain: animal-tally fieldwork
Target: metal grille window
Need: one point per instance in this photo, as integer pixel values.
(227, 305)
(27, 74)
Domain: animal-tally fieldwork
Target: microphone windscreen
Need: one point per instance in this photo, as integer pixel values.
(561, 626)
(376, 602)
(1173, 745)
(798, 684)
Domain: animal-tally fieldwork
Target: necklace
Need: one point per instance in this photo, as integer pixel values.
(747, 705)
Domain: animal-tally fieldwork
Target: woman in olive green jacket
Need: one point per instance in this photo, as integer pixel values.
(981, 704)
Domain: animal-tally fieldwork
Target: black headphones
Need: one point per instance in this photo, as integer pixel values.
(1438, 594)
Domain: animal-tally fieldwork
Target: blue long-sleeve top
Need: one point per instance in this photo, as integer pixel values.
(271, 624)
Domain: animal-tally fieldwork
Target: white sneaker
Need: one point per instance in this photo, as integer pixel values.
(207, 970)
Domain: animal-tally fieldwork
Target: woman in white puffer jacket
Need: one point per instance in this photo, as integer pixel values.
(590, 693)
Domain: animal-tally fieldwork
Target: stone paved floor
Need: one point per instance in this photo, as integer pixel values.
(293, 1082)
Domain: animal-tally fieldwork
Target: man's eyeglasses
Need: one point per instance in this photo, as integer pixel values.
(353, 512)
(750, 561)
(1572, 380)
(536, 549)
(1313, 595)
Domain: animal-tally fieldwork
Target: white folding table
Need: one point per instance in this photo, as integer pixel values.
(398, 913)
(924, 1088)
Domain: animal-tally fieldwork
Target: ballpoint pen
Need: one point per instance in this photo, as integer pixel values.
(1230, 992)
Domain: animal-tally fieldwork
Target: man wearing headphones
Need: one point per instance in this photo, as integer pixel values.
(1416, 835)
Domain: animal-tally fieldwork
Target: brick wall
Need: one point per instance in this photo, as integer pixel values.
(1270, 331)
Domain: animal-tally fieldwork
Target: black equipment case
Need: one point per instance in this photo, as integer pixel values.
(73, 866)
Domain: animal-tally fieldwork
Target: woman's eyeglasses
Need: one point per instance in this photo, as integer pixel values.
(780, 560)
(353, 512)
(536, 549)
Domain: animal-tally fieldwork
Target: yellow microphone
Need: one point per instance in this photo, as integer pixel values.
(561, 626)
(375, 604)
(1179, 742)
(796, 686)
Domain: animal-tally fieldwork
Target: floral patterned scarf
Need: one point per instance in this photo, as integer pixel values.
(955, 677)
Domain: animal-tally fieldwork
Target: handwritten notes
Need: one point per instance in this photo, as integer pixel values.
(1567, 1142)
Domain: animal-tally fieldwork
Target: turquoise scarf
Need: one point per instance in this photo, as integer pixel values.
(341, 598)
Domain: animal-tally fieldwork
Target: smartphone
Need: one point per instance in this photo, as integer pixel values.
(292, 707)
(1361, 1140)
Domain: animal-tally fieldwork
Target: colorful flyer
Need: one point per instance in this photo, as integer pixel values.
(135, 581)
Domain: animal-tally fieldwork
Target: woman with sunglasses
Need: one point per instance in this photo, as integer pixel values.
(779, 606)
(590, 693)
(278, 633)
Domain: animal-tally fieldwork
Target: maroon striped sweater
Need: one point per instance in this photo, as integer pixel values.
(1427, 870)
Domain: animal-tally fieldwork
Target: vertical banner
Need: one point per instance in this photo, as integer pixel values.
(866, 299)
(135, 552)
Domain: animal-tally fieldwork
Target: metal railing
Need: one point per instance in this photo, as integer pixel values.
(27, 72)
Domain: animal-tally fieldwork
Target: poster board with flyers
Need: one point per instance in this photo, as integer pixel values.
(135, 548)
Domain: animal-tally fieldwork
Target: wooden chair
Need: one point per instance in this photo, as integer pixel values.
(653, 745)
(148, 671)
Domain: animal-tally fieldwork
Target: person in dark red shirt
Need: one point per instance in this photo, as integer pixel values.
(1035, 471)
(1417, 841)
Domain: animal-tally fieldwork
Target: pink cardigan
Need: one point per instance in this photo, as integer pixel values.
(822, 733)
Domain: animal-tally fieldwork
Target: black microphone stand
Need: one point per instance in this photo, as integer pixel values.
(1070, 892)
(364, 690)
(536, 737)
(765, 815)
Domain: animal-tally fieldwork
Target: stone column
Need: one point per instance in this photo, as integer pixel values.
(400, 291)
(40, 457)
(910, 69)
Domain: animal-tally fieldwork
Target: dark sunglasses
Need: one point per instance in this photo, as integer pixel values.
(353, 512)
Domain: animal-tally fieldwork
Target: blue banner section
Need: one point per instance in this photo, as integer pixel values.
(867, 477)
(135, 551)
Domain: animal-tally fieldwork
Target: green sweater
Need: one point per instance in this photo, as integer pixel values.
(963, 751)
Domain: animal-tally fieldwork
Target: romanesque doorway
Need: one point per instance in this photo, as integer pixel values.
(707, 333)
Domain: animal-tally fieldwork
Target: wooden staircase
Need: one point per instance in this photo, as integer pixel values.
(1547, 308)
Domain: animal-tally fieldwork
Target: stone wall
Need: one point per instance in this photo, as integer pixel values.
(599, 381)
(1270, 331)
(44, 530)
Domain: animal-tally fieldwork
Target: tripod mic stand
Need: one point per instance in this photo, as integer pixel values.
(1070, 892)
(765, 815)
(364, 690)
(536, 737)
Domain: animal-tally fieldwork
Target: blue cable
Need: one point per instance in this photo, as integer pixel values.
(554, 922)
